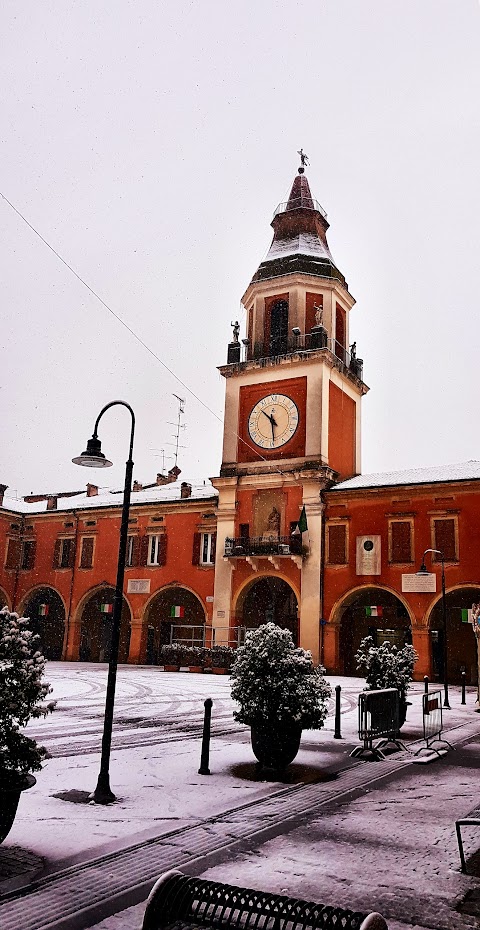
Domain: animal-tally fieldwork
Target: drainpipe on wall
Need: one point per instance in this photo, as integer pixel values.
(72, 582)
(17, 570)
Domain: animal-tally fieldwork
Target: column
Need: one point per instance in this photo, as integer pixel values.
(310, 593)
(222, 596)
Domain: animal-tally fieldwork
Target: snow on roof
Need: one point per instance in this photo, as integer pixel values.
(464, 471)
(302, 244)
(163, 494)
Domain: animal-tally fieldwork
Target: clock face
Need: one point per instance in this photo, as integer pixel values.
(273, 421)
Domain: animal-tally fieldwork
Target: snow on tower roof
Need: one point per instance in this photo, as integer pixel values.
(463, 471)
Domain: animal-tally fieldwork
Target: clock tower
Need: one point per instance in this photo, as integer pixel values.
(292, 427)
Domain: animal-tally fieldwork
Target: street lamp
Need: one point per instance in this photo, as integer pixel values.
(93, 457)
(424, 571)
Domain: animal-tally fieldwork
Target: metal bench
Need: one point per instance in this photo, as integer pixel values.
(471, 820)
(182, 903)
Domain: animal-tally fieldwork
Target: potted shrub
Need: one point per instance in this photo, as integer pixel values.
(171, 656)
(194, 657)
(280, 693)
(387, 666)
(222, 658)
(22, 692)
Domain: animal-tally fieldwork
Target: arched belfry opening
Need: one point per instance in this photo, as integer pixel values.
(279, 328)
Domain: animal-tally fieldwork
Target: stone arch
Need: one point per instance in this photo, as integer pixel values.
(461, 643)
(162, 627)
(268, 598)
(393, 621)
(45, 608)
(96, 625)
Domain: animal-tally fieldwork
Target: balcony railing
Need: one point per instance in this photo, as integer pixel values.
(305, 203)
(290, 345)
(261, 546)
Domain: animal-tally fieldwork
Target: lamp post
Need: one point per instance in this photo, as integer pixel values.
(93, 457)
(424, 571)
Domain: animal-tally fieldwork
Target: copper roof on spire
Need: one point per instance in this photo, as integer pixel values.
(300, 237)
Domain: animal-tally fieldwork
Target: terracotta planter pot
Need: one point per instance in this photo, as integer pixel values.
(171, 668)
(9, 798)
(195, 668)
(219, 671)
(276, 747)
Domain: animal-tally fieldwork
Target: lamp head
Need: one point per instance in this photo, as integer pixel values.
(423, 570)
(296, 331)
(93, 456)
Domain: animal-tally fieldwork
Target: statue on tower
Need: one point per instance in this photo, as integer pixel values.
(303, 161)
(236, 330)
(318, 315)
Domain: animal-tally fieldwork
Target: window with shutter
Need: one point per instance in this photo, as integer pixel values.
(13, 554)
(28, 554)
(337, 544)
(143, 550)
(445, 539)
(86, 554)
(57, 552)
(162, 549)
(400, 541)
(244, 531)
(207, 556)
(197, 542)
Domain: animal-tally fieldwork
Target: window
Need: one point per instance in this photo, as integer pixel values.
(156, 549)
(86, 554)
(64, 553)
(13, 553)
(204, 545)
(131, 556)
(400, 540)
(28, 554)
(207, 553)
(445, 538)
(337, 544)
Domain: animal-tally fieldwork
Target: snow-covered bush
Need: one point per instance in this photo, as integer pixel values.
(22, 692)
(386, 666)
(276, 684)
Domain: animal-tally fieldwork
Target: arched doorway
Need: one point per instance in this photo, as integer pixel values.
(461, 643)
(96, 627)
(174, 614)
(279, 328)
(45, 610)
(371, 611)
(269, 600)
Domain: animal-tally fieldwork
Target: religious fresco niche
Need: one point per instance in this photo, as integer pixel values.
(371, 612)
(270, 600)
(268, 514)
(96, 627)
(46, 613)
(461, 643)
(173, 615)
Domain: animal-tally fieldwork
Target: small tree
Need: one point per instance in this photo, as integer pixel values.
(22, 692)
(386, 666)
(277, 684)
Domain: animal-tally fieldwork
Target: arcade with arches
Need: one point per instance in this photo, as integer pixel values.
(174, 613)
(268, 599)
(370, 611)
(96, 618)
(46, 612)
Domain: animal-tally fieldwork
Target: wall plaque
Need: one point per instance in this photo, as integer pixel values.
(420, 584)
(138, 586)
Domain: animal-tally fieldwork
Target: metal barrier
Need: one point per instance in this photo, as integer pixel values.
(378, 718)
(432, 721)
(184, 903)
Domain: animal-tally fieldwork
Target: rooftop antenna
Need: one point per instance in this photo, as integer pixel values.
(179, 425)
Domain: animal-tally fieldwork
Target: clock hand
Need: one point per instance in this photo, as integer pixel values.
(267, 415)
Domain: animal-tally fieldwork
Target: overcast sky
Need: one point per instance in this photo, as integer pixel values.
(149, 144)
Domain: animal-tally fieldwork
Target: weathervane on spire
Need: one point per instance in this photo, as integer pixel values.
(303, 161)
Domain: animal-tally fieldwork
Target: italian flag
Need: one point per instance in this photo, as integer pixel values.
(43, 610)
(177, 611)
(374, 611)
(467, 616)
(106, 608)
